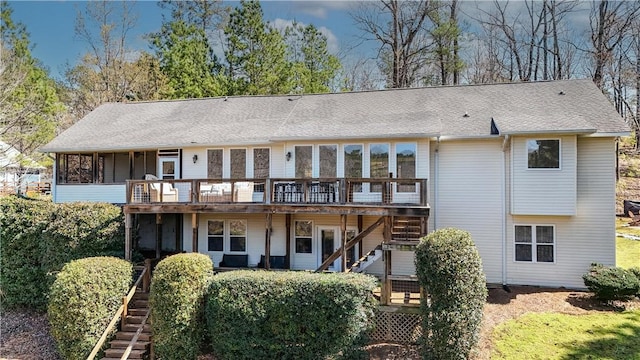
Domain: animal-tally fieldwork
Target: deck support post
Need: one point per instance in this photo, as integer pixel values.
(343, 237)
(158, 235)
(127, 236)
(360, 227)
(267, 242)
(385, 293)
(194, 232)
(287, 257)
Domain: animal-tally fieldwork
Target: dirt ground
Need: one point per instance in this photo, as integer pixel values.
(25, 336)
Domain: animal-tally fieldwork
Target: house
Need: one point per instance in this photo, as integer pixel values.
(17, 171)
(316, 182)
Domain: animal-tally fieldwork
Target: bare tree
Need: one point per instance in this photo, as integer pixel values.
(534, 36)
(402, 30)
(611, 23)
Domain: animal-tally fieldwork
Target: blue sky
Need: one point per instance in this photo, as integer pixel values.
(51, 25)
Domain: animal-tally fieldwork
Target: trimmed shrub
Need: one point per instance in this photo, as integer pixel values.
(177, 301)
(22, 222)
(289, 315)
(83, 299)
(449, 268)
(611, 283)
(39, 237)
(79, 230)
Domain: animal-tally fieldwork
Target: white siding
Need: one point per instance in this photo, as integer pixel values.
(469, 185)
(582, 239)
(544, 191)
(92, 193)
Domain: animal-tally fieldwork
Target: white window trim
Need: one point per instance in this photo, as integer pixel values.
(534, 243)
(395, 164)
(314, 158)
(246, 160)
(316, 166)
(251, 169)
(226, 236)
(313, 239)
(224, 161)
(526, 154)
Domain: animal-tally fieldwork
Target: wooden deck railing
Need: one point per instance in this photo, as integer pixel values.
(336, 191)
(145, 279)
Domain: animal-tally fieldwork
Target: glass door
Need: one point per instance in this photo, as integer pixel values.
(329, 237)
(168, 168)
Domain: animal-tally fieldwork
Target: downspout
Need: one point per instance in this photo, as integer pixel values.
(436, 182)
(503, 192)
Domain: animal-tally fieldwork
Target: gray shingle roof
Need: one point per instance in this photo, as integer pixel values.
(571, 106)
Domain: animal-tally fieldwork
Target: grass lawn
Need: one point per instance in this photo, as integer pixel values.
(606, 335)
(627, 250)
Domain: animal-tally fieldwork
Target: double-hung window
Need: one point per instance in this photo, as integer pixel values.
(304, 237)
(534, 243)
(232, 233)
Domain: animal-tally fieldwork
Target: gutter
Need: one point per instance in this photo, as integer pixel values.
(436, 173)
(505, 147)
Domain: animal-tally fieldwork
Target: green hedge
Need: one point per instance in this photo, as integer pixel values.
(83, 299)
(21, 273)
(612, 283)
(177, 300)
(449, 268)
(39, 237)
(289, 315)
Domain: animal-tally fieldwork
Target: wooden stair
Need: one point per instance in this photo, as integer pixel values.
(139, 309)
(366, 260)
(406, 229)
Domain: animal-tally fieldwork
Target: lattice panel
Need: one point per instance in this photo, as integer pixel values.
(395, 327)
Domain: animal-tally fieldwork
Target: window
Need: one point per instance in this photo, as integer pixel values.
(543, 154)
(260, 167)
(238, 235)
(214, 164)
(378, 164)
(238, 163)
(236, 232)
(406, 165)
(303, 236)
(215, 233)
(328, 155)
(75, 169)
(353, 164)
(303, 161)
(534, 243)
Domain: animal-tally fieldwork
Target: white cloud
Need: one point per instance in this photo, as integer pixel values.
(321, 9)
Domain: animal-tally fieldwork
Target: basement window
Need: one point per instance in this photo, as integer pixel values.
(534, 243)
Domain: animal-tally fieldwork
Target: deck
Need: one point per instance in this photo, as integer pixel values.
(402, 197)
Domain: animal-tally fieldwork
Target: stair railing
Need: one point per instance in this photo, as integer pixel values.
(145, 279)
(134, 339)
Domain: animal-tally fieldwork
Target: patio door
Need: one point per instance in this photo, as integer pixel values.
(328, 242)
(168, 168)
